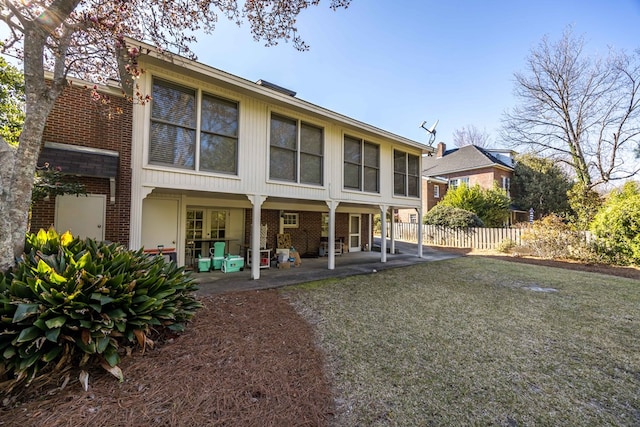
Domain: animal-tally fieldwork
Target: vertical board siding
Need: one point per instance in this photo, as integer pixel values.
(476, 238)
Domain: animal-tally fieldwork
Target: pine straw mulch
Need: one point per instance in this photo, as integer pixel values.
(247, 359)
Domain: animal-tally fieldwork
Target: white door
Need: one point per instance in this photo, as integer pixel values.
(354, 233)
(83, 216)
(159, 223)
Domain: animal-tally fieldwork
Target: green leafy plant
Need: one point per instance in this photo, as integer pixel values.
(585, 203)
(71, 302)
(451, 217)
(506, 246)
(490, 205)
(51, 181)
(617, 226)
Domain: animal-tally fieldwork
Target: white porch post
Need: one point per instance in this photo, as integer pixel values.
(135, 227)
(333, 205)
(419, 211)
(383, 232)
(370, 238)
(257, 201)
(392, 231)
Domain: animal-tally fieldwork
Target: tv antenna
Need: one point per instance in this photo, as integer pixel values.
(431, 131)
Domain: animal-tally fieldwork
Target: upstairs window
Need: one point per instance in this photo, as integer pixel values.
(406, 174)
(173, 126)
(219, 135)
(296, 151)
(456, 182)
(175, 139)
(361, 165)
(436, 191)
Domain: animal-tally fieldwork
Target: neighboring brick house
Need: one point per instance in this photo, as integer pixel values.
(214, 157)
(469, 164)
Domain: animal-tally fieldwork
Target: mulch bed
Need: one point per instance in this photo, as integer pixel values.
(247, 359)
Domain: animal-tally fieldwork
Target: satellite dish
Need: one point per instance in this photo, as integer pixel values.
(431, 131)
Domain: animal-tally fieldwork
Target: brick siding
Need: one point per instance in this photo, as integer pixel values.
(78, 120)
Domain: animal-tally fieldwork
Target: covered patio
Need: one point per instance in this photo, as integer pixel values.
(311, 269)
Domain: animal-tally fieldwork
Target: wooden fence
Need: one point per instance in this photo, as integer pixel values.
(476, 238)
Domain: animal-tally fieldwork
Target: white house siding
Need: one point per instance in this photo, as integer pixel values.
(194, 188)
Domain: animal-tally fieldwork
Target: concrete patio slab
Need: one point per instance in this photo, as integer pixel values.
(311, 269)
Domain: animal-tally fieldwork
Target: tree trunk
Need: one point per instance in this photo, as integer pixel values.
(18, 168)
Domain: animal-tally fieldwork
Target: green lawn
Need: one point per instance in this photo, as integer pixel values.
(474, 341)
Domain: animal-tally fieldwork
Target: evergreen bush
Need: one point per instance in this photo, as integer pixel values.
(451, 217)
(71, 302)
(617, 226)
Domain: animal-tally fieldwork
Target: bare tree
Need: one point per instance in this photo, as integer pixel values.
(471, 135)
(579, 110)
(88, 39)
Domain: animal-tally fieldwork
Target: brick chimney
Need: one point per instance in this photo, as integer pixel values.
(442, 147)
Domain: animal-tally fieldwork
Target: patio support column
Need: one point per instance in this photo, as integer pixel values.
(257, 201)
(419, 211)
(333, 205)
(135, 227)
(392, 233)
(383, 233)
(370, 237)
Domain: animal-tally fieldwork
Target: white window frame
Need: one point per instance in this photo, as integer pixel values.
(406, 175)
(197, 128)
(299, 152)
(363, 166)
(290, 220)
(436, 191)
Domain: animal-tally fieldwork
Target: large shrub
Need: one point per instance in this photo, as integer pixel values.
(72, 302)
(617, 226)
(451, 217)
(490, 205)
(551, 237)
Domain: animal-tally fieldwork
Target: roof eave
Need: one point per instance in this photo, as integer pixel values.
(259, 91)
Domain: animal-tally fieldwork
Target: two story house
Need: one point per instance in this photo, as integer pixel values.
(471, 165)
(215, 157)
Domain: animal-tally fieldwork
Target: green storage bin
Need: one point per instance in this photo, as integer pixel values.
(204, 264)
(217, 262)
(232, 264)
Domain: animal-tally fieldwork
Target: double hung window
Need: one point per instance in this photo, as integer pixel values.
(173, 126)
(178, 140)
(406, 174)
(361, 165)
(296, 151)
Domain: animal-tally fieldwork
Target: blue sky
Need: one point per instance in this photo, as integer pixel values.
(393, 64)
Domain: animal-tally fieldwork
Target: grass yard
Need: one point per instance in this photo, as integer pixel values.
(479, 341)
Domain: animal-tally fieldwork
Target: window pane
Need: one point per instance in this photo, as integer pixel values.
(412, 191)
(352, 150)
(310, 139)
(282, 164)
(352, 176)
(371, 155)
(284, 132)
(398, 184)
(219, 116)
(172, 145)
(371, 180)
(413, 165)
(399, 162)
(218, 154)
(310, 169)
(174, 104)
